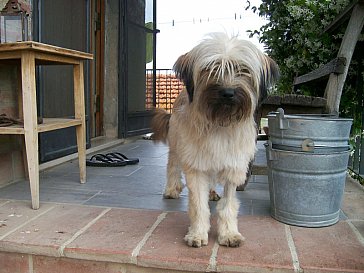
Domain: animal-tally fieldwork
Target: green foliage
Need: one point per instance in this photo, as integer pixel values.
(294, 36)
(149, 43)
(356, 176)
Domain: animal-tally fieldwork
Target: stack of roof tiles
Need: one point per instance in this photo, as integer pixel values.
(167, 89)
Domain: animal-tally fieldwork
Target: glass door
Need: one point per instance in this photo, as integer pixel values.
(137, 66)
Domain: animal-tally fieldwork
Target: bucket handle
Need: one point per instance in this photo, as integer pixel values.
(282, 121)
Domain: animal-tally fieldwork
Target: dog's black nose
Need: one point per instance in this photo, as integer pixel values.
(228, 93)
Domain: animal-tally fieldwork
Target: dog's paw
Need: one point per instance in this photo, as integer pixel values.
(213, 196)
(241, 187)
(196, 240)
(231, 239)
(171, 194)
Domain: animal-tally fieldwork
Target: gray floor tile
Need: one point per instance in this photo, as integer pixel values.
(255, 194)
(245, 210)
(256, 203)
(21, 191)
(262, 211)
(261, 179)
(132, 186)
(142, 201)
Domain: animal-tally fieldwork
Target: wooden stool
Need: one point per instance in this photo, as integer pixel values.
(28, 55)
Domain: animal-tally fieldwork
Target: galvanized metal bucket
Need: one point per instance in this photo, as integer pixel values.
(307, 158)
(309, 133)
(306, 189)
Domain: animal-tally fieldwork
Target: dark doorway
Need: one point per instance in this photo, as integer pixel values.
(63, 23)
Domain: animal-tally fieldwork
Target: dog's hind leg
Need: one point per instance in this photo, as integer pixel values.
(213, 195)
(248, 175)
(198, 208)
(227, 223)
(174, 184)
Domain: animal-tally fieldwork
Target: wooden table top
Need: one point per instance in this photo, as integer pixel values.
(44, 48)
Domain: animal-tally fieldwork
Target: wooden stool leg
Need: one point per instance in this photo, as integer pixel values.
(80, 114)
(31, 144)
(30, 124)
(21, 116)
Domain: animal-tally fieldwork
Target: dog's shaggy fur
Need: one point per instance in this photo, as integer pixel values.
(212, 133)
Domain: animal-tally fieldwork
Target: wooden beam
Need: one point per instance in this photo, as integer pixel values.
(336, 82)
(336, 66)
(341, 18)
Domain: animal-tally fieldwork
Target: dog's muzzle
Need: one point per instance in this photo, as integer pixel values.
(226, 105)
(227, 93)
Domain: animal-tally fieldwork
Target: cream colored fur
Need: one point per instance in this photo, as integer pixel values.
(214, 151)
(207, 155)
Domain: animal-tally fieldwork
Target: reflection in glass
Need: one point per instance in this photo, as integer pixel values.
(11, 29)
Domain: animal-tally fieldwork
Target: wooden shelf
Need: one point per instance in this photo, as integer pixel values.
(12, 130)
(49, 124)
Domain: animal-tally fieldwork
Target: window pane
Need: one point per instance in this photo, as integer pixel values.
(11, 30)
(149, 13)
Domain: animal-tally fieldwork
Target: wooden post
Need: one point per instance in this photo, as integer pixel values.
(336, 82)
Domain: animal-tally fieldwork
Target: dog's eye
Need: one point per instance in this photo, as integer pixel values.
(243, 71)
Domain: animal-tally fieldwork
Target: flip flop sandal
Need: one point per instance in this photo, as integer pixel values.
(100, 160)
(5, 121)
(120, 156)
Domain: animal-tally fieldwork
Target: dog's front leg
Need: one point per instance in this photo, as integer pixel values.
(198, 208)
(227, 222)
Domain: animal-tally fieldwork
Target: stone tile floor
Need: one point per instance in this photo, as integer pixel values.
(134, 186)
(119, 222)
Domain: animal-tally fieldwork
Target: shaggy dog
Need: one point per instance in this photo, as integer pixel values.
(212, 133)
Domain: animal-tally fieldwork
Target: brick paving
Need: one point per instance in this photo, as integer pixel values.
(79, 230)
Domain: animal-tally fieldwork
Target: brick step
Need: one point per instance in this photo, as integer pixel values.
(62, 238)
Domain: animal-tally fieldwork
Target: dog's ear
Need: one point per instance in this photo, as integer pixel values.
(183, 69)
(270, 75)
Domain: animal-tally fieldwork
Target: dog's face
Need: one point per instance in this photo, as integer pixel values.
(225, 78)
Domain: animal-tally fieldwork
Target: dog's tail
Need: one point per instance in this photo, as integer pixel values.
(160, 125)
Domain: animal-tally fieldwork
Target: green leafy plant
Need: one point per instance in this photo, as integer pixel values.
(294, 36)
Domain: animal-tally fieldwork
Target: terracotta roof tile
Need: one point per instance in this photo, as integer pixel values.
(167, 89)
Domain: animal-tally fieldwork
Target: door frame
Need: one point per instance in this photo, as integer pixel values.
(122, 64)
(97, 97)
(125, 118)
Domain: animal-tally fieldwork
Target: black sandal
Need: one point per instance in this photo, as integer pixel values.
(120, 156)
(100, 160)
(6, 121)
